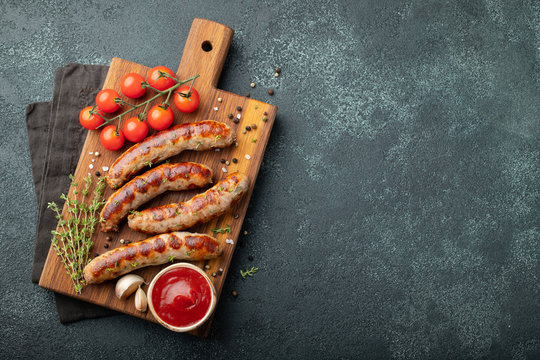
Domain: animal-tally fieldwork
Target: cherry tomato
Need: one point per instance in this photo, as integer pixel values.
(159, 118)
(131, 85)
(184, 103)
(88, 120)
(112, 139)
(105, 100)
(160, 83)
(135, 129)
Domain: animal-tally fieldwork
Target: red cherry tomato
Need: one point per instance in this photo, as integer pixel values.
(135, 129)
(105, 100)
(160, 118)
(88, 120)
(184, 102)
(131, 85)
(111, 139)
(163, 82)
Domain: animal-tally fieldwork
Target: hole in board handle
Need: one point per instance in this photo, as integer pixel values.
(206, 46)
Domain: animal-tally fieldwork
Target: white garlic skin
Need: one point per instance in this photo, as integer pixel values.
(141, 302)
(127, 285)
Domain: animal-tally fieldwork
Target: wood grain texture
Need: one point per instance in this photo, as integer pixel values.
(208, 64)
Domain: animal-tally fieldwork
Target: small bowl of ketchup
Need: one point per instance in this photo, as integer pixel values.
(181, 297)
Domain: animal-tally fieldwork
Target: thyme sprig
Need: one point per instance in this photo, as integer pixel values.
(249, 272)
(168, 92)
(72, 238)
(222, 231)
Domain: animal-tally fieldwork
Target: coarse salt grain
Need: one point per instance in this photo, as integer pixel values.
(238, 116)
(217, 149)
(248, 157)
(220, 269)
(91, 166)
(91, 153)
(105, 168)
(223, 169)
(215, 108)
(229, 241)
(93, 160)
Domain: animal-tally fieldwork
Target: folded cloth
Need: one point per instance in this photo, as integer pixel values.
(56, 138)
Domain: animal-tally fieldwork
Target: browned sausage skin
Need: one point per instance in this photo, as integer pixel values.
(156, 250)
(197, 136)
(200, 209)
(166, 177)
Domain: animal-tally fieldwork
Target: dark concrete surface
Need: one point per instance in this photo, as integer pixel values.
(396, 211)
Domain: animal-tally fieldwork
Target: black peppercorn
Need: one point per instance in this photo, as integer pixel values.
(235, 160)
(236, 121)
(222, 161)
(248, 128)
(108, 238)
(248, 94)
(278, 70)
(98, 174)
(220, 271)
(214, 274)
(236, 216)
(106, 246)
(230, 116)
(239, 108)
(250, 258)
(270, 92)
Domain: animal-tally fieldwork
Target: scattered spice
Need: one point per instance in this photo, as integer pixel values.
(222, 161)
(248, 157)
(220, 271)
(239, 108)
(91, 153)
(245, 232)
(229, 241)
(270, 92)
(91, 166)
(264, 119)
(230, 116)
(214, 274)
(248, 128)
(278, 70)
(105, 168)
(97, 154)
(236, 121)
(234, 293)
(248, 94)
(253, 140)
(250, 258)
(244, 131)
(236, 216)
(253, 126)
(122, 241)
(216, 108)
(108, 238)
(235, 160)
(236, 144)
(276, 74)
(106, 246)
(98, 174)
(219, 99)
(265, 113)
(238, 116)
(96, 255)
(252, 84)
(224, 169)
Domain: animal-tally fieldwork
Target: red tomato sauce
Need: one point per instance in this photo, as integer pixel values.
(181, 297)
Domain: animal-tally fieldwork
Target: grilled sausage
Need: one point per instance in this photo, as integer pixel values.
(181, 176)
(156, 250)
(200, 209)
(198, 136)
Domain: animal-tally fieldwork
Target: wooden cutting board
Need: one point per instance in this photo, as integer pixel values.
(204, 53)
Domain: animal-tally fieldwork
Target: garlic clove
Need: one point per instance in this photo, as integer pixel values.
(127, 285)
(141, 302)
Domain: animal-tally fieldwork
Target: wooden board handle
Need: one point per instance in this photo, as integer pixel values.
(206, 48)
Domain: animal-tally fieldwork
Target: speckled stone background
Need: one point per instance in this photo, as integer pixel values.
(396, 214)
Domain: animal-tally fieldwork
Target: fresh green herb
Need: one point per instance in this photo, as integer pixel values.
(223, 230)
(176, 211)
(72, 237)
(174, 135)
(253, 140)
(116, 202)
(249, 272)
(143, 229)
(134, 264)
(148, 163)
(164, 180)
(212, 211)
(115, 265)
(195, 213)
(189, 252)
(230, 190)
(198, 144)
(206, 196)
(109, 269)
(218, 137)
(134, 212)
(171, 258)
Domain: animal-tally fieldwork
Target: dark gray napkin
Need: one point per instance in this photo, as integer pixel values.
(56, 138)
